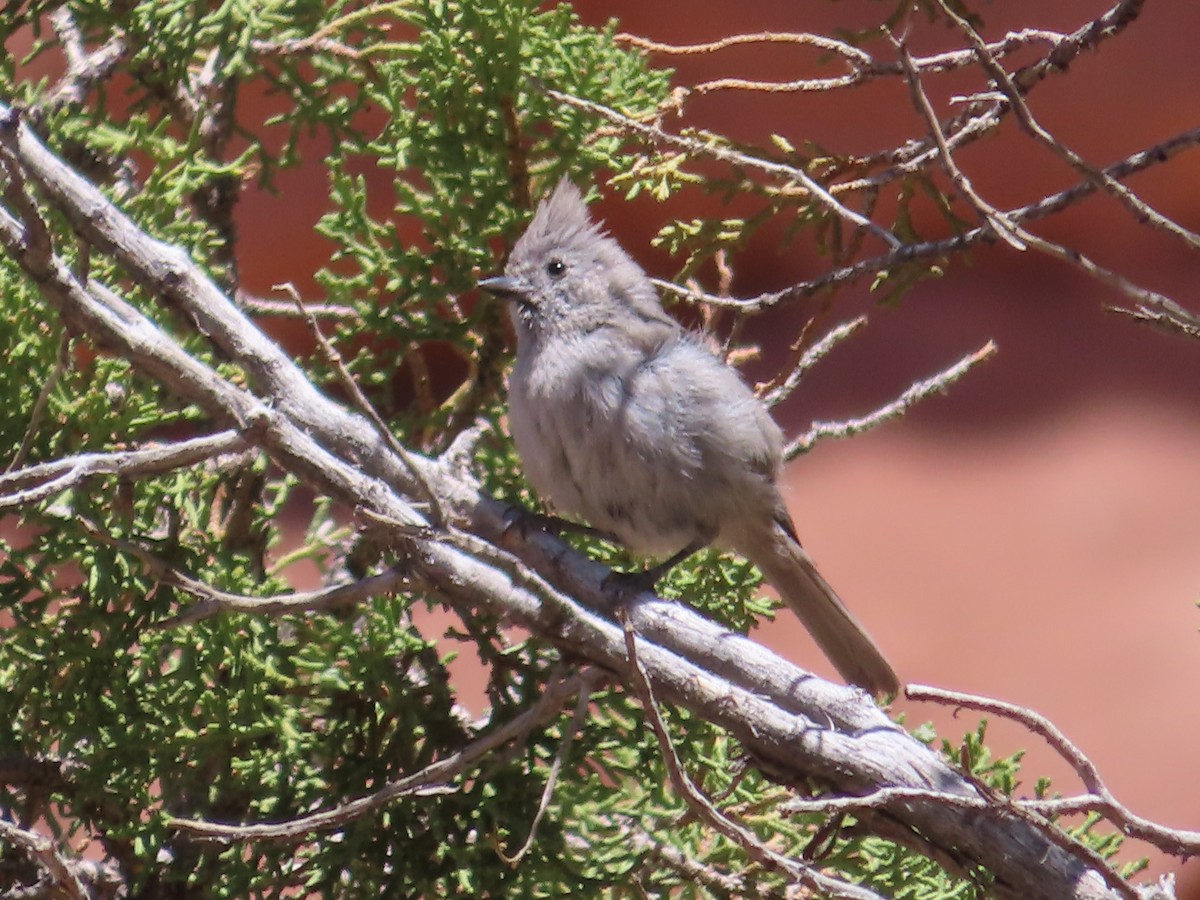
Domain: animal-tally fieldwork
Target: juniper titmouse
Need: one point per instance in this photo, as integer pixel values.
(626, 420)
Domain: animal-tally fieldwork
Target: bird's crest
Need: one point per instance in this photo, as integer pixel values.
(561, 219)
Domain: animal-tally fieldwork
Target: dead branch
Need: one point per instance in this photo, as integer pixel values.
(915, 393)
(1020, 238)
(36, 483)
(863, 67)
(946, 247)
(1178, 842)
(1164, 315)
(1141, 210)
(716, 149)
(436, 778)
(41, 849)
(564, 747)
(984, 115)
(214, 602)
(809, 357)
(706, 810)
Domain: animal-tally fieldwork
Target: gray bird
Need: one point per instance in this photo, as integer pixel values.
(626, 420)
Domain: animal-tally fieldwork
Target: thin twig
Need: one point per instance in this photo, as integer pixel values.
(1077, 848)
(872, 69)
(702, 807)
(1049, 205)
(322, 40)
(983, 116)
(1006, 226)
(1141, 210)
(863, 67)
(998, 222)
(877, 800)
(214, 602)
(36, 483)
(809, 358)
(1169, 317)
(849, 52)
(564, 747)
(914, 394)
(41, 850)
(364, 405)
(314, 43)
(1178, 842)
(269, 306)
(693, 870)
(714, 149)
(61, 358)
(435, 778)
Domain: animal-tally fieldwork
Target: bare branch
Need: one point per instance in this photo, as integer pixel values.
(314, 43)
(269, 306)
(41, 850)
(1054, 203)
(214, 602)
(917, 392)
(863, 67)
(849, 52)
(364, 405)
(704, 809)
(1019, 237)
(1175, 841)
(36, 483)
(712, 148)
(838, 806)
(564, 747)
(809, 358)
(1165, 315)
(995, 219)
(983, 116)
(876, 800)
(1141, 210)
(691, 869)
(323, 41)
(434, 778)
(39, 407)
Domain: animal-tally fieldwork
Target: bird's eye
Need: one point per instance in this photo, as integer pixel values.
(556, 268)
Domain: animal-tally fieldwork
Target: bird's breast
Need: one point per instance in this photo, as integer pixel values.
(594, 442)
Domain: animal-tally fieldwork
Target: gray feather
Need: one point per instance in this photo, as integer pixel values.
(626, 421)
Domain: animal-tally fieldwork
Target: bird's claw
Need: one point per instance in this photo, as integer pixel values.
(624, 586)
(527, 521)
(517, 517)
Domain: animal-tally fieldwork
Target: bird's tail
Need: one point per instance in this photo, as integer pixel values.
(788, 568)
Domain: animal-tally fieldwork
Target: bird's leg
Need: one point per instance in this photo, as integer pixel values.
(525, 521)
(626, 584)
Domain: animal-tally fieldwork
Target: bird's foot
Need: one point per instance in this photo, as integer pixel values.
(622, 587)
(526, 521)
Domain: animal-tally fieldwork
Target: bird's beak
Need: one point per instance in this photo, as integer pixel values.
(503, 286)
